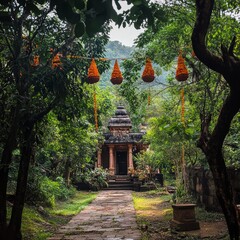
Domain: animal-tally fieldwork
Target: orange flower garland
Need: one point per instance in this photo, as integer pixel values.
(116, 77)
(181, 72)
(95, 109)
(149, 97)
(183, 107)
(148, 72)
(93, 74)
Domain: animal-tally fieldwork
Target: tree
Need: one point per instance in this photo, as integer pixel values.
(228, 65)
(206, 39)
(33, 89)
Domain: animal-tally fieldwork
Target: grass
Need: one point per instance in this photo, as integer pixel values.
(74, 205)
(39, 225)
(154, 211)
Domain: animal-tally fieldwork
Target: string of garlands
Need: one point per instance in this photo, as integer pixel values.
(181, 76)
(117, 78)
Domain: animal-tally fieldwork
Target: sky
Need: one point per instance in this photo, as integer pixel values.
(124, 35)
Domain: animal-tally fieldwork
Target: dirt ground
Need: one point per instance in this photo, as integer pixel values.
(154, 213)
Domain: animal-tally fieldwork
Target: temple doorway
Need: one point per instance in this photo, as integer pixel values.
(121, 162)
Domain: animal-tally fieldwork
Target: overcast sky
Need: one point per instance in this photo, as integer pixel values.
(124, 35)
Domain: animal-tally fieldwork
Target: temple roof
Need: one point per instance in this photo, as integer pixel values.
(133, 138)
(120, 119)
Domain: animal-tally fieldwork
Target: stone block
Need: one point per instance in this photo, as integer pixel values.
(184, 217)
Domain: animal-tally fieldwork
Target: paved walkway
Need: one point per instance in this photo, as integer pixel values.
(111, 216)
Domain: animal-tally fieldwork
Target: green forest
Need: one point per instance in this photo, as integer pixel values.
(52, 120)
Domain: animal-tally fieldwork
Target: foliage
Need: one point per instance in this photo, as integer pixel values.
(131, 90)
(41, 223)
(96, 178)
(74, 205)
(43, 191)
(146, 165)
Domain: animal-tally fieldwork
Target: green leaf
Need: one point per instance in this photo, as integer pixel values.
(33, 8)
(93, 25)
(73, 17)
(5, 17)
(60, 11)
(79, 29)
(136, 2)
(80, 4)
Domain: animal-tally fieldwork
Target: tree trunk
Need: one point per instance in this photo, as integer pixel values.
(211, 144)
(228, 65)
(67, 172)
(224, 191)
(14, 228)
(6, 159)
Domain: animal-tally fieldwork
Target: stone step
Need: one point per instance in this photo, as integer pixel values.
(120, 185)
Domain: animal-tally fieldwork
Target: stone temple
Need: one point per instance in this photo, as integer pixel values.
(120, 145)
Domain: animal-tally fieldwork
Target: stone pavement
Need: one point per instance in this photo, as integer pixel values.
(111, 216)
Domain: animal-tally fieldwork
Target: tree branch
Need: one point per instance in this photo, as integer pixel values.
(204, 10)
(38, 116)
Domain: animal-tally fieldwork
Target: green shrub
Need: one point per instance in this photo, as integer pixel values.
(55, 190)
(96, 178)
(44, 191)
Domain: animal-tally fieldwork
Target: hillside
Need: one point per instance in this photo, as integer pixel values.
(114, 49)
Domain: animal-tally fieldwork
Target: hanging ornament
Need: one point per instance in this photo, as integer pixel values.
(182, 107)
(116, 77)
(35, 61)
(148, 72)
(95, 109)
(181, 72)
(56, 62)
(183, 163)
(93, 74)
(149, 97)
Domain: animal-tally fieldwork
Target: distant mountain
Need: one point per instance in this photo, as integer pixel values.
(114, 49)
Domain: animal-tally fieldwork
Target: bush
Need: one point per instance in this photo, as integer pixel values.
(55, 190)
(96, 178)
(44, 191)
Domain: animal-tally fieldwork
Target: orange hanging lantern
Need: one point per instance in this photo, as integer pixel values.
(56, 62)
(36, 61)
(93, 74)
(116, 77)
(181, 72)
(148, 72)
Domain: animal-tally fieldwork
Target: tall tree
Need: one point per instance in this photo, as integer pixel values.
(33, 86)
(211, 143)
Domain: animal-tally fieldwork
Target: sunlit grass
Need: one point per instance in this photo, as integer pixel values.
(37, 226)
(152, 201)
(74, 205)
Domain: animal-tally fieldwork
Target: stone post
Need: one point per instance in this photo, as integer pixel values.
(130, 158)
(111, 160)
(99, 158)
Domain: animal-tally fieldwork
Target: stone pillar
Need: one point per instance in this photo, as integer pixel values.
(111, 160)
(99, 158)
(130, 158)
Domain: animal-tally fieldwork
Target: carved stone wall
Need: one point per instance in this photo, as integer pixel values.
(201, 186)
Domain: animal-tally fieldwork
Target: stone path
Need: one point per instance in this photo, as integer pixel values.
(111, 216)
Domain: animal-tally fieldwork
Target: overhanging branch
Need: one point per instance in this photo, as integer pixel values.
(203, 11)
